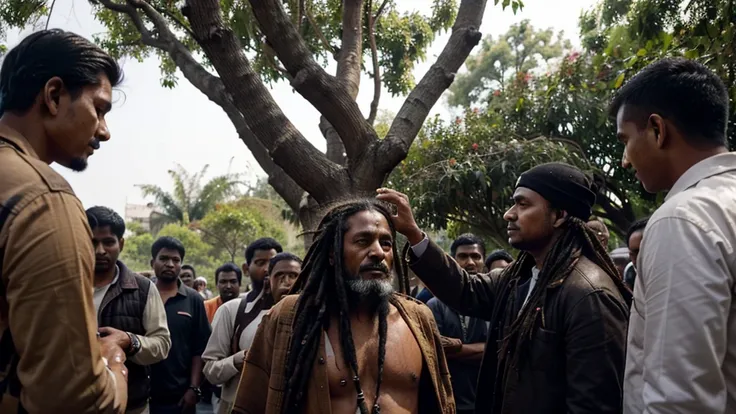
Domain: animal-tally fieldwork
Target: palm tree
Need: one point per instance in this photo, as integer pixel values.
(191, 199)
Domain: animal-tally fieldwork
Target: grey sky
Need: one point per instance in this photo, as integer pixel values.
(153, 128)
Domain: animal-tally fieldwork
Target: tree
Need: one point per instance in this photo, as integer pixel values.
(470, 191)
(537, 108)
(191, 200)
(521, 49)
(230, 229)
(627, 35)
(204, 257)
(249, 43)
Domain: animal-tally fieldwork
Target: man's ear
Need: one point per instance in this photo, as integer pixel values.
(244, 267)
(660, 130)
(51, 94)
(560, 218)
(152, 264)
(121, 242)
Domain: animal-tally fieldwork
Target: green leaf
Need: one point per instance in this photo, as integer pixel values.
(641, 52)
(619, 80)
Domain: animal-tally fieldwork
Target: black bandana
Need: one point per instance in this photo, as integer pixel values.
(564, 186)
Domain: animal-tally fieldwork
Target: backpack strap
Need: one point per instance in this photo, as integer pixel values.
(243, 319)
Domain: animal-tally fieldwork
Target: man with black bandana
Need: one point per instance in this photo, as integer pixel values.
(558, 314)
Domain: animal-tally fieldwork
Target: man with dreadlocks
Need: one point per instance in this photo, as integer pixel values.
(557, 315)
(325, 350)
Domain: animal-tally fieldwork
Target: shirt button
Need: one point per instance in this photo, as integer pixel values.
(321, 360)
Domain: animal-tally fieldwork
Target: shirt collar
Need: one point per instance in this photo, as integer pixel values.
(14, 137)
(715, 165)
(182, 288)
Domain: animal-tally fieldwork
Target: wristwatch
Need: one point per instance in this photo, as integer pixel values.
(135, 345)
(197, 392)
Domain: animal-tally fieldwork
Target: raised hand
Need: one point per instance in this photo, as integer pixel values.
(404, 218)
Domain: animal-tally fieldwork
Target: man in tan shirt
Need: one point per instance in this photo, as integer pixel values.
(55, 89)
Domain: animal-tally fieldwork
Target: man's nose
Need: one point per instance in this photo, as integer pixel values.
(99, 249)
(103, 133)
(625, 160)
(377, 252)
(509, 215)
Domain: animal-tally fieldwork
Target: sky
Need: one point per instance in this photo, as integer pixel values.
(154, 128)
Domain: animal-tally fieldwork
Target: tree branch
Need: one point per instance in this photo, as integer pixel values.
(286, 146)
(320, 35)
(212, 87)
(414, 111)
(327, 95)
(349, 62)
(374, 54)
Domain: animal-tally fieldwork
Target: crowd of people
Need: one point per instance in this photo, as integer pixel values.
(360, 325)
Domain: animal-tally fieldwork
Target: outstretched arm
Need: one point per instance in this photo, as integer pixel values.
(471, 295)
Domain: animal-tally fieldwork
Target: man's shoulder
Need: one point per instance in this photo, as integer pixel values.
(285, 306)
(193, 295)
(587, 277)
(22, 170)
(709, 204)
(413, 306)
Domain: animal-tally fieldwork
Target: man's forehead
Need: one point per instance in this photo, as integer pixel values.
(264, 253)
(368, 221)
(228, 275)
(286, 265)
(168, 253)
(467, 248)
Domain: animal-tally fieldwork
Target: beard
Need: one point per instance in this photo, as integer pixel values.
(77, 164)
(167, 277)
(373, 291)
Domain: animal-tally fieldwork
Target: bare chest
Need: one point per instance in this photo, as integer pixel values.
(401, 368)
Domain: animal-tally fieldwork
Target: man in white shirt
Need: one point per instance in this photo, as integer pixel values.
(681, 355)
(235, 325)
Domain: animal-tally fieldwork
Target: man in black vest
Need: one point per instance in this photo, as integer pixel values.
(129, 308)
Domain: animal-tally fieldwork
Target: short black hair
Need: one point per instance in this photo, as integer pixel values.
(230, 267)
(167, 242)
(99, 216)
(685, 92)
(282, 256)
(636, 226)
(498, 255)
(47, 54)
(265, 243)
(190, 267)
(468, 239)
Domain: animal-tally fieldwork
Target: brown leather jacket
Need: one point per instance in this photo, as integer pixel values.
(261, 389)
(52, 363)
(575, 364)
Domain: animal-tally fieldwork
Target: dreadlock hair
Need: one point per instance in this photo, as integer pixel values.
(577, 239)
(319, 283)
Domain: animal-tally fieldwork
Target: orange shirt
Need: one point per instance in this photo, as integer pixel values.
(211, 306)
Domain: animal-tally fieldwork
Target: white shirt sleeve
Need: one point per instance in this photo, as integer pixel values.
(219, 365)
(687, 290)
(420, 247)
(156, 343)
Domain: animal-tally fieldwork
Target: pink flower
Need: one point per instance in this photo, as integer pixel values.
(572, 57)
(497, 93)
(476, 110)
(452, 162)
(475, 147)
(458, 121)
